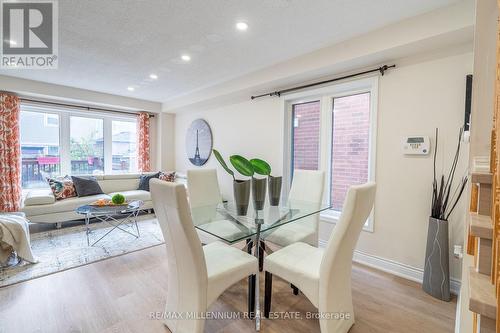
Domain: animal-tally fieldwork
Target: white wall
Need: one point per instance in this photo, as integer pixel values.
(485, 62)
(165, 143)
(251, 128)
(413, 100)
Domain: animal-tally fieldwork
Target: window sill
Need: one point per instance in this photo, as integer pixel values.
(332, 217)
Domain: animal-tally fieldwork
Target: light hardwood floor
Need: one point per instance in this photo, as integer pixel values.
(119, 295)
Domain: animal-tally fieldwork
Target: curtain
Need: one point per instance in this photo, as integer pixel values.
(144, 161)
(10, 157)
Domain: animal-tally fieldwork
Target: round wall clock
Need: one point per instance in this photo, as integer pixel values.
(199, 142)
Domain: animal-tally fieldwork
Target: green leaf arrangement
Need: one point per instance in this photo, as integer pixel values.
(242, 165)
(221, 161)
(261, 167)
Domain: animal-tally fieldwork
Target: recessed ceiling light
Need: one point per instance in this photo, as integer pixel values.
(242, 26)
(130, 88)
(153, 76)
(186, 57)
(12, 42)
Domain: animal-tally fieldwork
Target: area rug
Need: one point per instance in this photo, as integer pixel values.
(61, 249)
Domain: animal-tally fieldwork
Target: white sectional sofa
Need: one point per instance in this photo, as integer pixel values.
(40, 205)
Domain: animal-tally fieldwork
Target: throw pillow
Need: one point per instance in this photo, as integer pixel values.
(62, 187)
(167, 176)
(144, 181)
(86, 186)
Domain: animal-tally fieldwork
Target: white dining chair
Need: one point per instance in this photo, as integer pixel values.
(204, 196)
(307, 189)
(324, 276)
(197, 275)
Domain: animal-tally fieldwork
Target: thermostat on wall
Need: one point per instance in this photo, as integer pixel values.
(416, 145)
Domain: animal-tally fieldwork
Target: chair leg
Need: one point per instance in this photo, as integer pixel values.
(268, 294)
(249, 246)
(251, 296)
(295, 289)
(261, 256)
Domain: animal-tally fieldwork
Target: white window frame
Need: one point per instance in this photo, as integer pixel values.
(65, 115)
(46, 117)
(326, 96)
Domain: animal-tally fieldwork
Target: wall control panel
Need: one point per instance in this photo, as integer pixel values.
(416, 145)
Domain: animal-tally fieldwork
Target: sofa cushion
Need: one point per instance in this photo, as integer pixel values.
(123, 176)
(144, 181)
(39, 197)
(86, 186)
(119, 184)
(134, 195)
(66, 205)
(62, 187)
(167, 176)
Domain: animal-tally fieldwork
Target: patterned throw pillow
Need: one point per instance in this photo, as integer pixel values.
(167, 176)
(62, 187)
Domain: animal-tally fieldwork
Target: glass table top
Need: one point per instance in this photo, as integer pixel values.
(104, 210)
(222, 221)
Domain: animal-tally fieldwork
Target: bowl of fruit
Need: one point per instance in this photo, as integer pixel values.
(117, 200)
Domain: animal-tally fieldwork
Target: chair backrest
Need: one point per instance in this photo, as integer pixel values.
(187, 271)
(335, 271)
(307, 185)
(203, 187)
(204, 195)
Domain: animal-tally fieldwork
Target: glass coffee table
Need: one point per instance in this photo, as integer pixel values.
(126, 213)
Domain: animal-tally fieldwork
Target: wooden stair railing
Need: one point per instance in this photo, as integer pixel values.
(482, 295)
(484, 228)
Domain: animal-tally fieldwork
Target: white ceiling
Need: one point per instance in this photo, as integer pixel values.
(107, 46)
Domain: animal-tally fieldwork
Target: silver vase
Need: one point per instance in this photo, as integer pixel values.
(437, 267)
(241, 190)
(259, 187)
(274, 190)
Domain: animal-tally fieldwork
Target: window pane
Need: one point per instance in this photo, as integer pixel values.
(39, 148)
(351, 138)
(305, 135)
(86, 146)
(124, 146)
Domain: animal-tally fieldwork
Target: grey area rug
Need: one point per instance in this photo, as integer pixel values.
(61, 249)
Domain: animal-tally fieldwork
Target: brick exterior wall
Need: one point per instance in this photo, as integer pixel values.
(351, 134)
(351, 129)
(306, 119)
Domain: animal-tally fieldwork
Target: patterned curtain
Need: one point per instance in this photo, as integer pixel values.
(10, 157)
(144, 161)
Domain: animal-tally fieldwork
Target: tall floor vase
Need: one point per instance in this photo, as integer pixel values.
(437, 266)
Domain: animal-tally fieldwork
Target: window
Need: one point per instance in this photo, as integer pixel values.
(306, 117)
(59, 141)
(333, 129)
(124, 145)
(39, 148)
(350, 145)
(86, 146)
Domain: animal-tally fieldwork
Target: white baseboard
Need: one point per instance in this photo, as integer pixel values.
(395, 268)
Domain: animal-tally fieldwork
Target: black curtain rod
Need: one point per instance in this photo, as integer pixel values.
(88, 108)
(278, 93)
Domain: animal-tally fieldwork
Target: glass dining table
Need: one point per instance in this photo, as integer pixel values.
(223, 223)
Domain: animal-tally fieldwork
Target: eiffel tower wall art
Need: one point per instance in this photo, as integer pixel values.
(199, 142)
